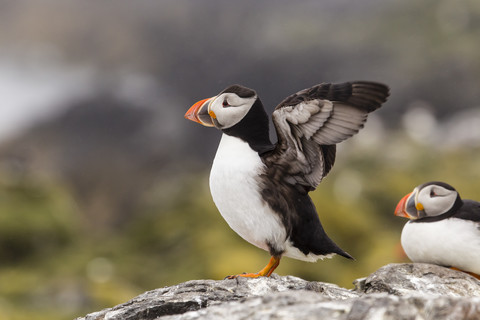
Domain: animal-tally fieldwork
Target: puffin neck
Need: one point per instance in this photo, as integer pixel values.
(253, 129)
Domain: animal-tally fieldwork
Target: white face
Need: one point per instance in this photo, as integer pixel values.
(228, 109)
(435, 200)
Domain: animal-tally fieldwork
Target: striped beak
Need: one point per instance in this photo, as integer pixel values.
(200, 114)
(409, 208)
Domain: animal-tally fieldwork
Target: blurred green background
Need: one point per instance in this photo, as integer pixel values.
(104, 185)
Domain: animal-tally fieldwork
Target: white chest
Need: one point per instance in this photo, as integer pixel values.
(450, 242)
(235, 191)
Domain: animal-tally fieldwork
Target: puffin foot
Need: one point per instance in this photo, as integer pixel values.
(265, 272)
(470, 273)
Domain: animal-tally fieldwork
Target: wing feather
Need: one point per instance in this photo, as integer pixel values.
(311, 122)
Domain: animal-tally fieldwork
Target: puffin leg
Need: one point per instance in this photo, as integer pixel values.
(470, 273)
(265, 272)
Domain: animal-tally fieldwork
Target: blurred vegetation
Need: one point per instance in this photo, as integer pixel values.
(54, 267)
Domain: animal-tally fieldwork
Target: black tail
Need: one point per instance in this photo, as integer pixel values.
(307, 233)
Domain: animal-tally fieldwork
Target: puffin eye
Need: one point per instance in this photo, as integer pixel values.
(225, 103)
(432, 194)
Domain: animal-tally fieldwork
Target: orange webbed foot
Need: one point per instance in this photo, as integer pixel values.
(470, 273)
(265, 272)
(244, 275)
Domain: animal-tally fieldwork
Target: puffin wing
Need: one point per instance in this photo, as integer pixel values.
(470, 210)
(311, 122)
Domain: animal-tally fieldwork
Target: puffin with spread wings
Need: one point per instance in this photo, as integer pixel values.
(260, 188)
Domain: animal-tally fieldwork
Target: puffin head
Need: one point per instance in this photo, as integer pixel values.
(430, 199)
(225, 110)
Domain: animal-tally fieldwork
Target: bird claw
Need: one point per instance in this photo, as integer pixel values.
(265, 272)
(243, 275)
(477, 276)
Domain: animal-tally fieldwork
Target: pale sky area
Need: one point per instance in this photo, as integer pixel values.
(32, 92)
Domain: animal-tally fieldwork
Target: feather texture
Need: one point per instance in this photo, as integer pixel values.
(311, 122)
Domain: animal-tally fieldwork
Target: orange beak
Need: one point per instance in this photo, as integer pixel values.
(199, 113)
(400, 210)
(409, 208)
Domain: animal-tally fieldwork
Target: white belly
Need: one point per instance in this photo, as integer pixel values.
(236, 194)
(451, 242)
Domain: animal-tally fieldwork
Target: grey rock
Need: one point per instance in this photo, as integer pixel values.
(395, 291)
(309, 305)
(414, 278)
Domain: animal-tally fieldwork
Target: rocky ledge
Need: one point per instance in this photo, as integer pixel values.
(395, 291)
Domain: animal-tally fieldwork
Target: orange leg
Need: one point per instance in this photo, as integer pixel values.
(265, 272)
(470, 273)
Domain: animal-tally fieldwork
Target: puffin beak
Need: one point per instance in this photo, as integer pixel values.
(199, 113)
(406, 207)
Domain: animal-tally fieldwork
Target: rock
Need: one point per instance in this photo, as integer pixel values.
(408, 278)
(308, 305)
(395, 291)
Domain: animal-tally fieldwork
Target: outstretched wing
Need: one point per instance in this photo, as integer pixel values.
(311, 122)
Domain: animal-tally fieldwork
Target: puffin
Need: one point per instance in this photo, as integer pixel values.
(262, 188)
(443, 229)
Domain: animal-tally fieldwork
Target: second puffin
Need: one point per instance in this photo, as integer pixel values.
(261, 189)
